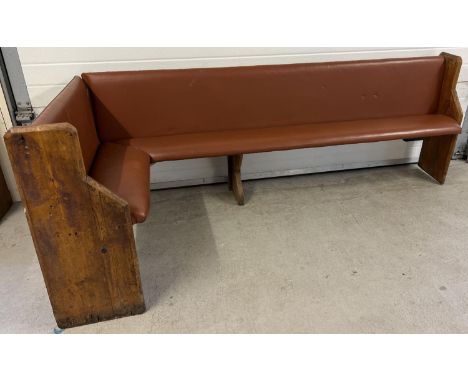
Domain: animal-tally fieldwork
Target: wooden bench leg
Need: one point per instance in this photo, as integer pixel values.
(436, 154)
(234, 177)
(82, 232)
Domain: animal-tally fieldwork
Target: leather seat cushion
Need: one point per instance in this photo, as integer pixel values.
(228, 142)
(125, 171)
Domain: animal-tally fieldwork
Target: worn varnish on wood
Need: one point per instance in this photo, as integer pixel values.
(436, 152)
(82, 232)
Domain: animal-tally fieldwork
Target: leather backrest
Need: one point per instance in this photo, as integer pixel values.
(73, 105)
(163, 102)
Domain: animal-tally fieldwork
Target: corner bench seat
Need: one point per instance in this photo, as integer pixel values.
(83, 167)
(252, 140)
(125, 171)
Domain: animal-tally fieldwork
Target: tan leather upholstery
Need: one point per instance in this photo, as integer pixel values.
(178, 114)
(125, 171)
(72, 105)
(170, 102)
(228, 142)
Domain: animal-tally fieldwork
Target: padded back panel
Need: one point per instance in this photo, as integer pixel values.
(164, 102)
(72, 105)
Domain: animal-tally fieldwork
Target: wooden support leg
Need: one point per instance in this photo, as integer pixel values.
(82, 232)
(436, 154)
(234, 177)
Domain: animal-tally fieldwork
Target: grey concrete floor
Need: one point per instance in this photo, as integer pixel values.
(369, 251)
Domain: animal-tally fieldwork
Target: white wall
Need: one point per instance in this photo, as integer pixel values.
(47, 70)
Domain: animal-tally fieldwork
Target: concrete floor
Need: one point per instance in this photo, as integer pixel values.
(379, 250)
